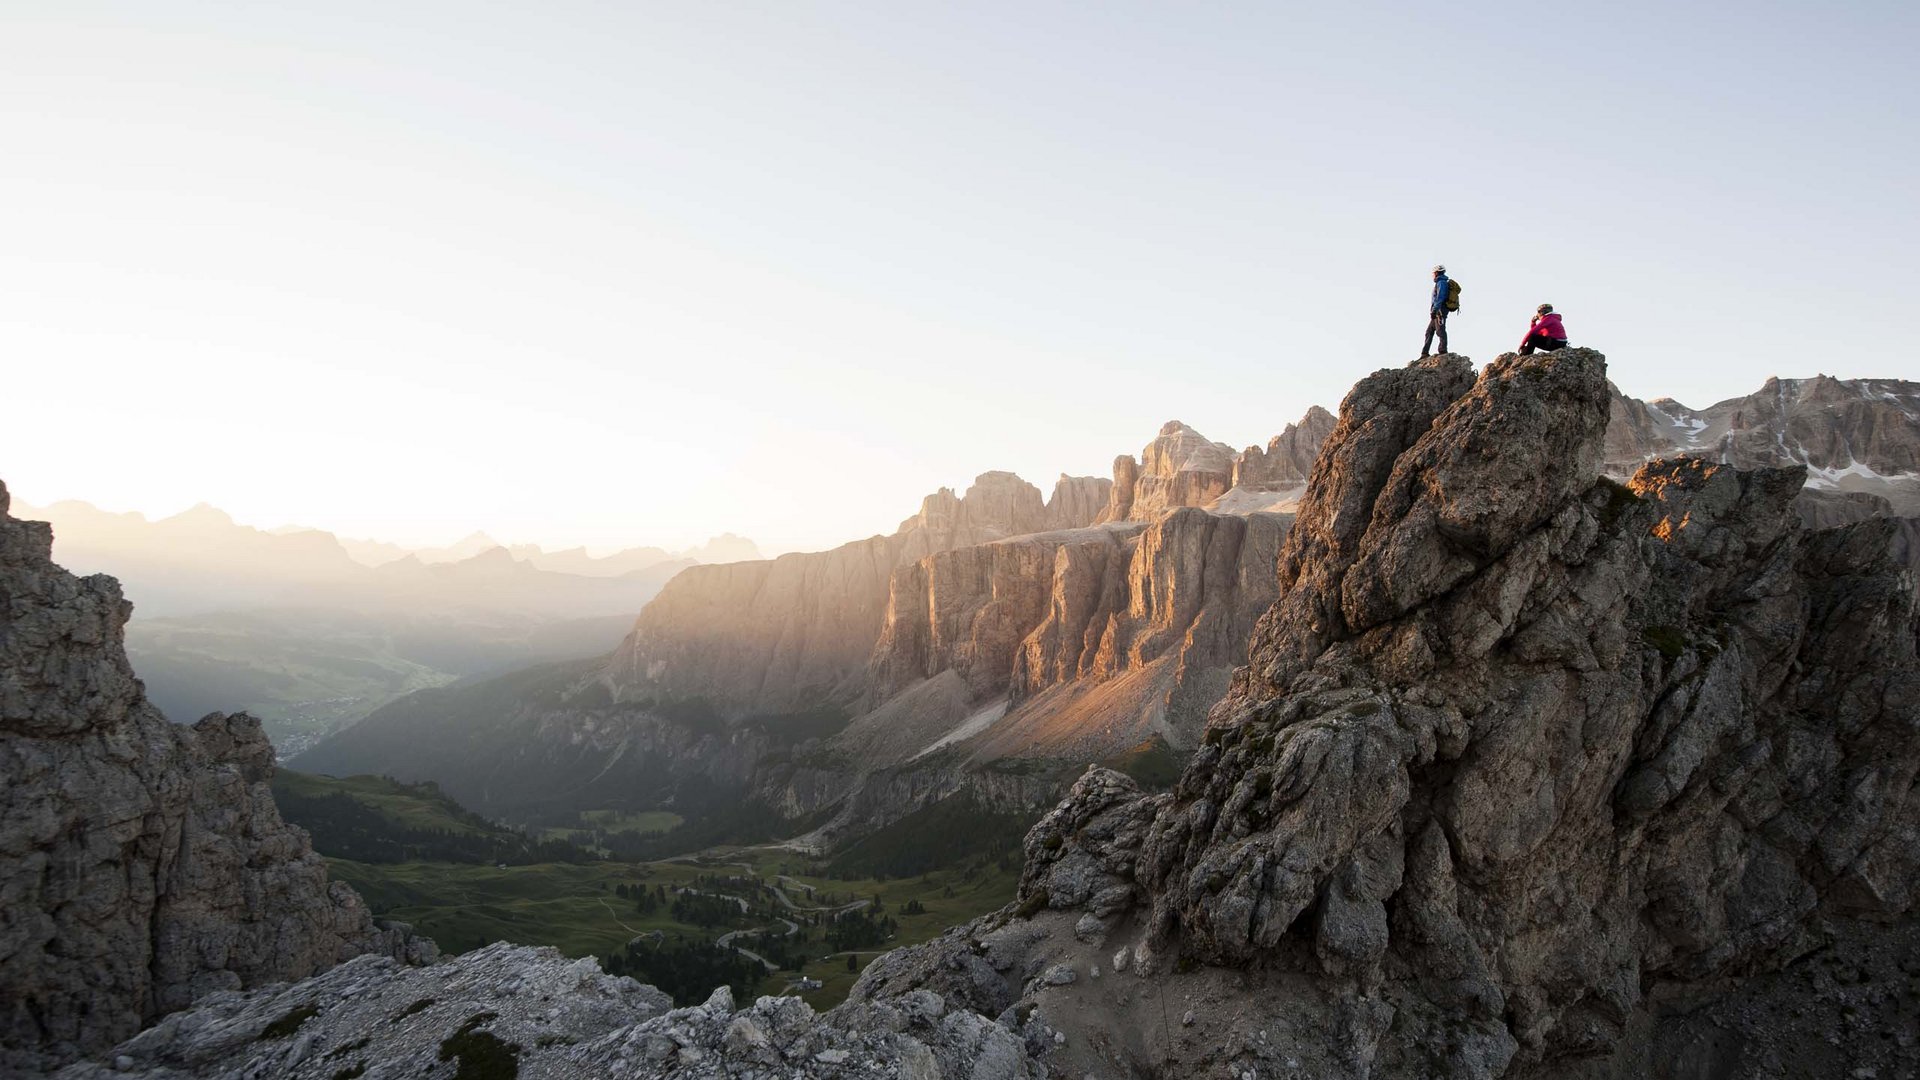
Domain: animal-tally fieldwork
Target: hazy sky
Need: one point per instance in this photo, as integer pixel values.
(640, 273)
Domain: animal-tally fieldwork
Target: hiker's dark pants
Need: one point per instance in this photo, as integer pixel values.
(1436, 324)
(1541, 342)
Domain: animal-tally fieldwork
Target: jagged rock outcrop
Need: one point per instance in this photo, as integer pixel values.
(1289, 456)
(1180, 467)
(1519, 748)
(1126, 476)
(1826, 509)
(511, 1011)
(142, 863)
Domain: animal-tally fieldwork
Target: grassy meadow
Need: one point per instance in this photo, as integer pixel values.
(577, 910)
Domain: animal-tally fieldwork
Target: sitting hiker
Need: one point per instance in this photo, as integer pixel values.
(1545, 332)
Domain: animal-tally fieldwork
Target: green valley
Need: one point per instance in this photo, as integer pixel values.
(764, 919)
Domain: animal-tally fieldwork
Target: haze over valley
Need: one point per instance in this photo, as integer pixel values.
(311, 633)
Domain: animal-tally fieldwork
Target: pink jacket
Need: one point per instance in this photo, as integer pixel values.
(1548, 325)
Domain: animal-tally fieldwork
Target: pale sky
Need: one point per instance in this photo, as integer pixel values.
(640, 273)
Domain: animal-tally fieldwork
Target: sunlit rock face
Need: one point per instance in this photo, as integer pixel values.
(785, 635)
(142, 863)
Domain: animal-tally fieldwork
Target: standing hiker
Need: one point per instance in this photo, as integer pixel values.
(1446, 298)
(1545, 332)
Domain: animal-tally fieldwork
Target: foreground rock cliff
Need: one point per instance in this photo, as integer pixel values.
(1519, 754)
(142, 863)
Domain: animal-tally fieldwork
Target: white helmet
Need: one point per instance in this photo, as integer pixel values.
(1439, 269)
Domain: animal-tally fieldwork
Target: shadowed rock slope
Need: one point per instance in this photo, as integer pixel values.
(1520, 755)
(142, 863)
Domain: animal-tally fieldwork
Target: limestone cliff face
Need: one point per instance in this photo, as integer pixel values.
(793, 633)
(1192, 585)
(1289, 456)
(998, 659)
(997, 504)
(1517, 748)
(1180, 467)
(1014, 618)
(967, 610)
(142, 863)
(1077, 501)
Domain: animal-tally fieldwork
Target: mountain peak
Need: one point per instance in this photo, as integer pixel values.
(201, 514)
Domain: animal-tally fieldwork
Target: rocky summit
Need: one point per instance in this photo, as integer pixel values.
(1525, 764)
(142, 863)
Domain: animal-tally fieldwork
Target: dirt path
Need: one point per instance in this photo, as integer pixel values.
(618, 919)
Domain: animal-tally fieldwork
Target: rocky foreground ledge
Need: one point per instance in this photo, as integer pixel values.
(507, 1010)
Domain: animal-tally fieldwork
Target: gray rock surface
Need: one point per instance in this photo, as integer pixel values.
(142, 863)
(512, 1011)
(1519, 756)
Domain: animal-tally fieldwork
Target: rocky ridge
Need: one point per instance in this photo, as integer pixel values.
(142, 863)
(1853, 435)
(1518, 753)
(506, 1011)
